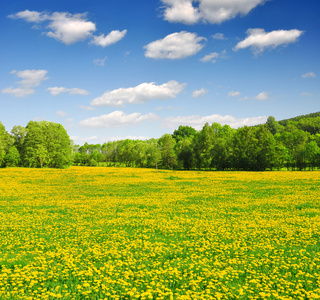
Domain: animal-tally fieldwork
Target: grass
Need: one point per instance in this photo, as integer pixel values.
(121, 233)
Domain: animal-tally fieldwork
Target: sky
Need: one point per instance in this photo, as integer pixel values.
(109, 70)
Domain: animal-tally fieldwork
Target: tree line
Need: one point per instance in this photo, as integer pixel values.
(293, 144)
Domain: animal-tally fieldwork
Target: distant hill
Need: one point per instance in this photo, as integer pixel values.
(298, 118)
(309, 123)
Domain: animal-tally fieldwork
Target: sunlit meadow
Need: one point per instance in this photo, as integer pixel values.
(121, 233)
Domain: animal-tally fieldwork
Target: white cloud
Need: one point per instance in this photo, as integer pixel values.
(30, 79)
(199, 93)
(262, 96)
(180, 11)
(100, 61)
(139, 94)
(69, 28)
(197, 121)
(18, 92)
(309, 75)
(257, 39)
(61, 113)
(74, 91)
(30, 16)
(113, 37)
(234, 94)
(212, 57)
(219, 36)
(117, 118)
(213, 11)
(175, 46)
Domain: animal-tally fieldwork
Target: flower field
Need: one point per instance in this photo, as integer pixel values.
(121, 233)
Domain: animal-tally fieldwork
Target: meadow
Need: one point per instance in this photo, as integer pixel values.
(125, 233)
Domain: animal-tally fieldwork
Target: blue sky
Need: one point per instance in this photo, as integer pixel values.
(110, 70)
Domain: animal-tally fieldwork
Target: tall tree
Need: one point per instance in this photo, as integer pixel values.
(47, 144)
(168, 155)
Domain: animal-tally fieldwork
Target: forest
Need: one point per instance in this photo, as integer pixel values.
(293, 144)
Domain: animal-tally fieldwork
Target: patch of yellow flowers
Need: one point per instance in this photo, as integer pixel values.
(109, 233)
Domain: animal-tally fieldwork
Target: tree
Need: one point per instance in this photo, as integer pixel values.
(273, 125)
(185, 153)
(153, 153)
(265, 148)
(183, 132)
(19, 134)
(6, 141)
(244, 149)
(168, 155)
(313, 154)
(46, 144)
(12, 157)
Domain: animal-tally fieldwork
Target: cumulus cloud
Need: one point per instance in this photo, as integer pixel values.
(113, 37)
(69, 28)
(234, 94)
(262, 96)
(74, 91)
(139, 94)
(309, 75)
(180, 11)
(197, 121)
(199, 93)
(116, 119)
(213, 11)
(257, 39)
(30, 79)
(175, 46)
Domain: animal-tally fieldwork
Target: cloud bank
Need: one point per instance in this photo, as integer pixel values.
(116, 119)
(198, 122)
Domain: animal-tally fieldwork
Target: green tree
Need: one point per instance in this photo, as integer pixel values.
(168, 155)
(12, 157)
(153, 153)
(183, 132)
(46, 144)
(185, 153)
(313, 154)
(273, 125)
